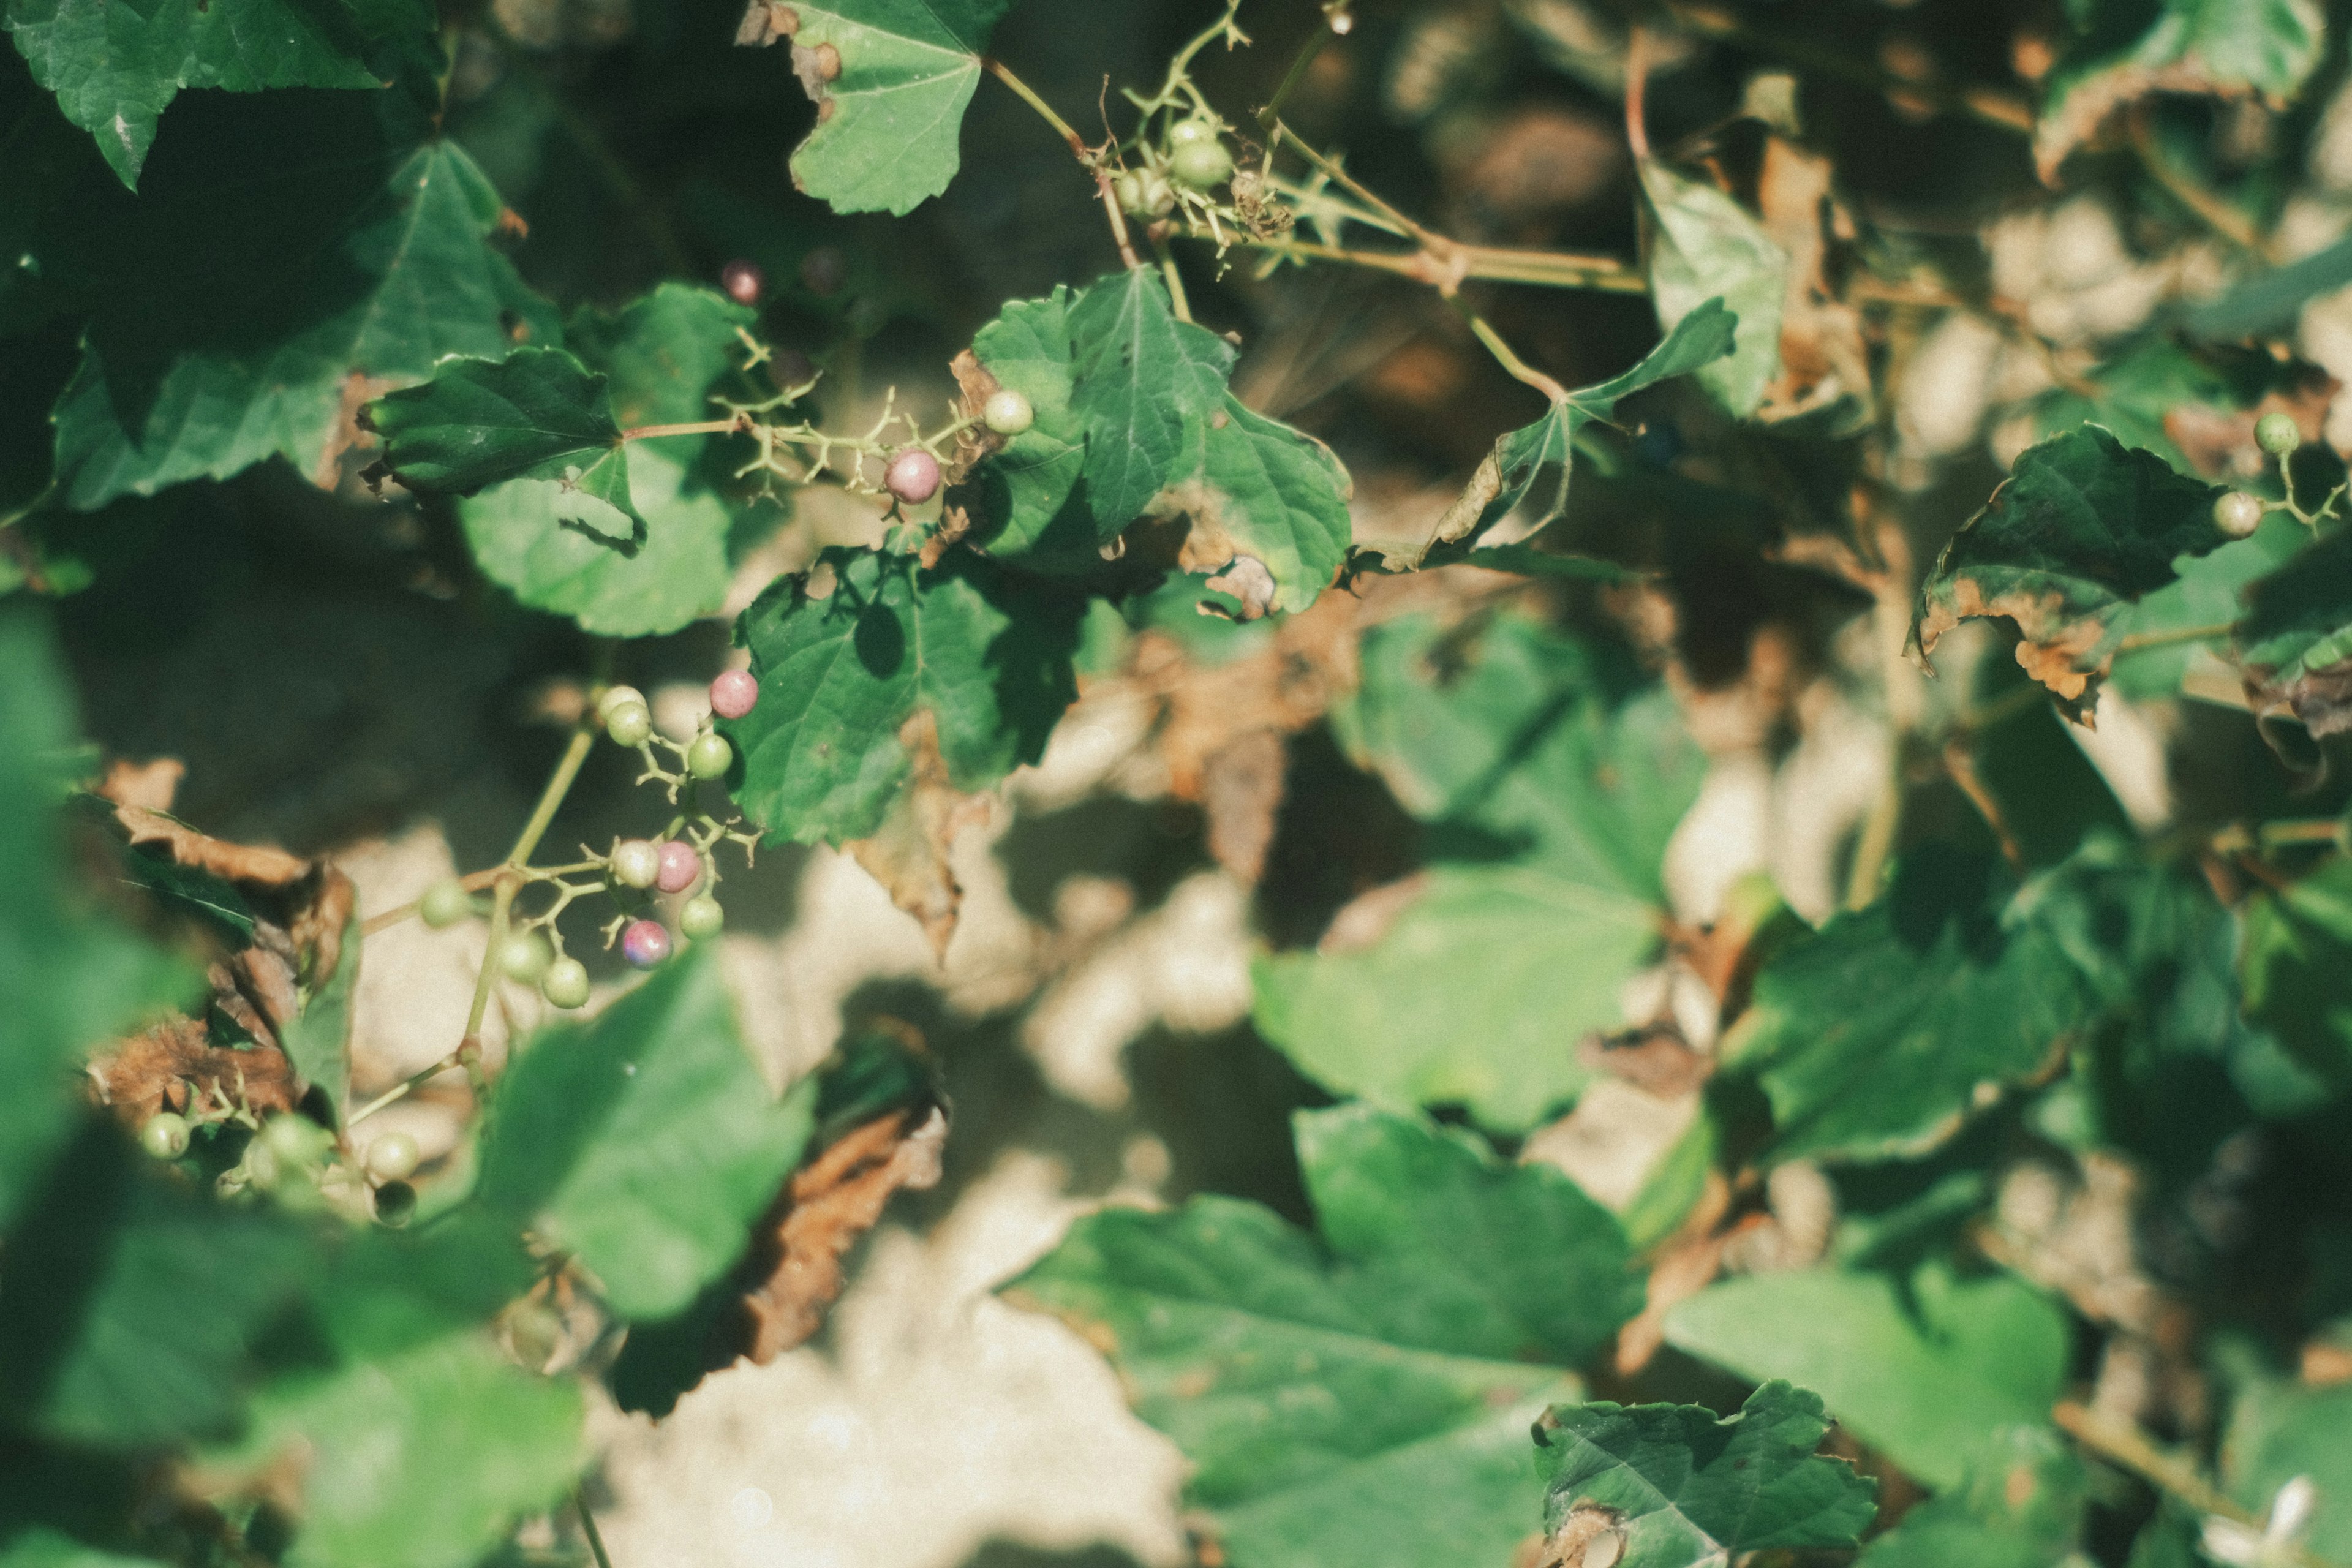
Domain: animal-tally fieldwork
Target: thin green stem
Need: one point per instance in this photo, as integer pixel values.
(1028, 95)
(588, 1529)
(2139, 640)
(1538, 268)
(696, 427)
(2240, 838)
(1180, 69)
(1270, 118)
(1183, 307)
(1517, 368)
(2126, 1446)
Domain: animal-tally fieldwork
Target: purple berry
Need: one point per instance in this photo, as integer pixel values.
(645, 943)
(743, 281)
(913, 476)
(679, 866)
(824, 270)
(733, 693)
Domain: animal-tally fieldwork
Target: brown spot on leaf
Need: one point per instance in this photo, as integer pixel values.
(835, 1199)
(1590, 1535)
(1655, 1059)
(2061, 649)
(764, 22)
(351, 431)
(908, 854)
(150, 785)
(2085, 111)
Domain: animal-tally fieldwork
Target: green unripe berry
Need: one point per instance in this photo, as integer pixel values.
(700, 917)
(614, 697)
(1007, 413)
(164, 1135)
(1192, 132)
(2238, 514)
(709, 757)
(2277, 433)
(629, 723)
(525, 957)
(262, 1167)
(396, 1203)
(1203, 165)
(393, 1157)
(565, 984)
(636, 863)
(297, 1140)
(1143, 193)
(445, 903)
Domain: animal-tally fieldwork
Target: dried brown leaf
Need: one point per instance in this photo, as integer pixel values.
(172, 1064)
(149, 786)
(909, 855)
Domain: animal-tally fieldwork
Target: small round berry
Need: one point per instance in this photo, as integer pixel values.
(629, 724)
(294, 1140)
(709, 757)
(791, 370)
(701, 918)
(1007, 413)
(645, 943)
(743, 281)
(525, 957)
(913, 476)
(165, 1134)
(614, 697)
(263, 1169)
(2277, 434)
(445, 903)
(1204, 166)
(1192, 132)
(2238, 514)
(393, 1157)
(396, 1203)
(636, 863)
(565, 984)
(734, 693)
(824, 270)
(681, 866)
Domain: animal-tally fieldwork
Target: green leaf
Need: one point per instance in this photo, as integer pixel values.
(2019, 1505)
(1506, 479)
(424, 1459)
(1265, 493)
(644, 1142)
(318, 1042)
(46, 1548)
(2127, 49)
(1364, 1401)
(1145, 385)
(1880, 1034)
(1481, 987)
(1708, 249)
(107, 1344)
(539, 414)
(2297, 950)
(1679, 1488)
(2081, 529)
(983, 656)
(68, 981)
(887, 119)
(2295, 641)
(323, 248)
(1028, 495)
(1926, 1369)
(115, 66)
(2280, 1430)
(2208, 592)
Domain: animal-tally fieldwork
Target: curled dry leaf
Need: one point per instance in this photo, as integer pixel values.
(176, 1063)
(909, 855)
(834, 1200)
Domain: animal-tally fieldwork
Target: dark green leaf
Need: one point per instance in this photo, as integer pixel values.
(425, 1459)
(1506, 480)
(1364, 1403)
(984, 657)
(1710, 249)
(2271, 299)
(114, 68)
(1679, 1488)
(889, 114)
(322, 246)
(2019, 1505)
(2082, 528)
(539, 414)
(1028, 500)
(1145, 385)
(2207, 595)
(1877, 1036)
(1928, 1369)
(318, 1042)
(646, 1143)
(67, 981)
(2127, 49)
(2295, 640)
(107, 1344)
(1263, 493)
(46, 1548)
(2297, 951)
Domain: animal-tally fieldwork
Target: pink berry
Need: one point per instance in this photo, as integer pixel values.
(645, 943)
(913, 476)
(733, 693)
(743, 281)
(679, 866)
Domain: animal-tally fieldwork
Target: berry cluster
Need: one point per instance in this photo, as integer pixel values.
(293, 1157)
(2238, 512)
(681, 860)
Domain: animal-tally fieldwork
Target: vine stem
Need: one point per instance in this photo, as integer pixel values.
(1183, 307)
(1540, 269)
(1517, 368)
(1085, 155)
(695, 427)
(1637, 84)
(588, 1529)
(2126, 1446)
(505, 879)
(2139, 640)
(2272, 835)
